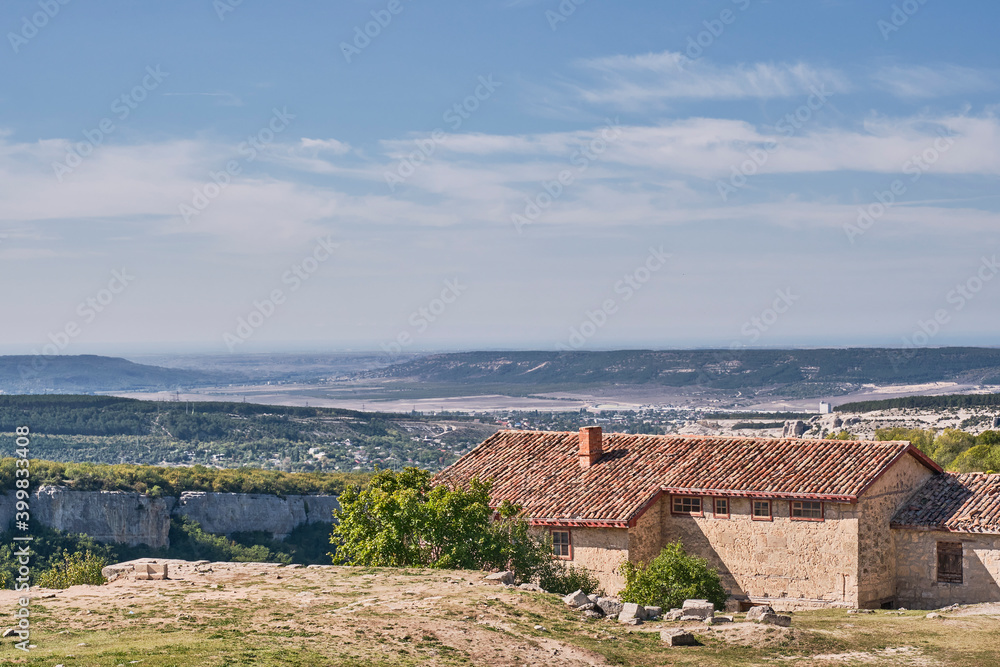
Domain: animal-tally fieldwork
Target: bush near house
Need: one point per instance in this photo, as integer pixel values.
(671, 578)
(556, 577)
(399, 519)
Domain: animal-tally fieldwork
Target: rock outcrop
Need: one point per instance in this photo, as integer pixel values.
(134, 518)
(107, 516)
(228, 513)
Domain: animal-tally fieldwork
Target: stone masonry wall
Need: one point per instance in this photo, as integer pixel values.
(787, 563)
(917, 586)
(600, 550)
(645, 539)
(877, 553)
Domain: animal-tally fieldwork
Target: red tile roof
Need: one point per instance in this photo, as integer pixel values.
(967, 503)
(540, 471)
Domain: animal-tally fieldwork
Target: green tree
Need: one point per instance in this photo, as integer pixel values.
(922, 440)
(399, 519)
(75, 569)
(671, 578)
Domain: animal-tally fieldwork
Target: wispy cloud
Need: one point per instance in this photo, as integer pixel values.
(632, 82)
(922, 82)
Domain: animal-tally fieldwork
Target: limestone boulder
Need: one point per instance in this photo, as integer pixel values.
(759, 611)
(576, 599)
(610, 606)
(700, 609)
(678, 638)
(776, 619)
(632, 612)
(506, 578)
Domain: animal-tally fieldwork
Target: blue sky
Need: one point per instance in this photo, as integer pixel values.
(520, 174)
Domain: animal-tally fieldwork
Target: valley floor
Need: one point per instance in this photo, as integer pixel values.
(258, 614)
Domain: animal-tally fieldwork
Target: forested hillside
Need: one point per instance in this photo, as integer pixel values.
(520, 372)
(105, 429)
(924, 403)
(29, 374)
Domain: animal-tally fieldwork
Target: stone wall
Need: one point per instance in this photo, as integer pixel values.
(876, 553)
(645, 540)
(600, 550)
(917, 586)
(133, 518)
(787, 563)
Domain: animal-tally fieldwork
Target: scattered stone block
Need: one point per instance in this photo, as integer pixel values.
(506, 577)
(610, 606)
(653, 612)
(718, 620)
(678, 638)
(147, 571)
(632, 611)
(531, 587)
(593, 598)
(673, 615)
(591, 613)
(590, 606)
(757, 612)
(775, 619)
(930, 615)
(576, 599)
(701, 609)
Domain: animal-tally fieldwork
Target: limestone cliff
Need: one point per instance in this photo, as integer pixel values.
(134, 518)
(107, 516)
(227, 513)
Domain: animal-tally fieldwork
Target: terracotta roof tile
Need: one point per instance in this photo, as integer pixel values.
(540, 470)
(966, 503)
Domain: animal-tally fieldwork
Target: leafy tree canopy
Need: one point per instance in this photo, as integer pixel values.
(399, 519)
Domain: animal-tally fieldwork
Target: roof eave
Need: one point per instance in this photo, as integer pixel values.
(732, 493)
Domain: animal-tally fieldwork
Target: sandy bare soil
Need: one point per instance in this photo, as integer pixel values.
(210, 614)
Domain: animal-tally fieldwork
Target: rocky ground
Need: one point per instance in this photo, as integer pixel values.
(862, 425)
(214, 614)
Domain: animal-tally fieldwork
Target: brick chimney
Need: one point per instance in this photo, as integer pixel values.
(590, 446)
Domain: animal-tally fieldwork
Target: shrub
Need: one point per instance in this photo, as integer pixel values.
(556, 577)
(671, 578)
(75, 569)
(398, 519)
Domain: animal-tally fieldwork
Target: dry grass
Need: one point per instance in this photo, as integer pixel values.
(251, 614)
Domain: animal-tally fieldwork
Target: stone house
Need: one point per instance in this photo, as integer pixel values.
(789, 522)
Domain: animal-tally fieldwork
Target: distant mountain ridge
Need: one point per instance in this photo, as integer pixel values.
(33, 374)
(716, 369)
